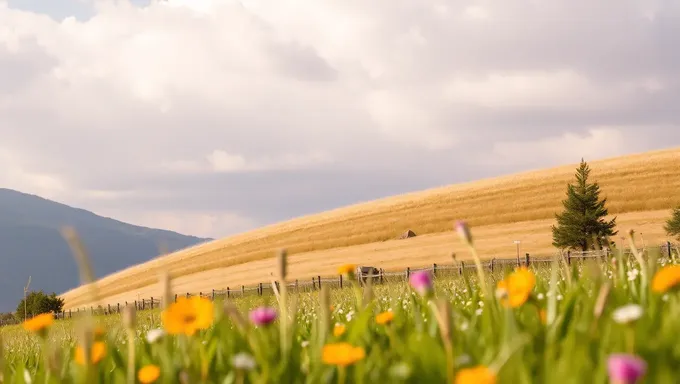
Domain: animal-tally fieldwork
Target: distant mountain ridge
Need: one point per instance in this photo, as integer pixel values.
(31, 245)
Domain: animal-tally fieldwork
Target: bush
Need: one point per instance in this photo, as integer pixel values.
(38, 302)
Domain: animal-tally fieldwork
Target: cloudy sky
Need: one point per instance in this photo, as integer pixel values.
(211, 117)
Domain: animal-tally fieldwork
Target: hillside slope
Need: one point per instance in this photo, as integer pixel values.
(640, 189)
(31, 244)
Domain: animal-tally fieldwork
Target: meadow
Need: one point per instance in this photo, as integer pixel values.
(641, 190)
(597, 321)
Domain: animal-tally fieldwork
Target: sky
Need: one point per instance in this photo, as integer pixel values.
(213, 117)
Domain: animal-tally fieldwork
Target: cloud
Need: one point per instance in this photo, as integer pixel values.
(215, 116)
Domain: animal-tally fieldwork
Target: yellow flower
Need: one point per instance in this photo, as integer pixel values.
(517, 287)
(347, 269)
(339, 329)
(666, 278)
(342, 354)
(39, 324)
(149, 374)
(475, 375)
(384, 318)
(188, 315)
(97, 353)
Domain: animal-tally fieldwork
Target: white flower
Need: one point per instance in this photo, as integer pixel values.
(627, 313)
(154, 335)
(479, 311)
(632, 274)
(304, 344)
(559, 297)
(540, 296)
(243, 361)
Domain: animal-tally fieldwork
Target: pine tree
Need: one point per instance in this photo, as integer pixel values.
(583, 216)
(672, 226)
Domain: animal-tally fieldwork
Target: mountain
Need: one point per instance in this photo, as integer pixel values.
(31, 245)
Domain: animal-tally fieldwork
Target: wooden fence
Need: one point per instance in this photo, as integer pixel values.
(314, 283)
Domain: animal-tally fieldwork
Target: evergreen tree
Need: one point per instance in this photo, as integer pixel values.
(672, 226)
(583, 216)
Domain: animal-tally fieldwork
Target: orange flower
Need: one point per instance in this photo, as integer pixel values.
(149, 374)
(475, 375)
(342, 354)
(347, 269)
(99, 333)
(517, 287)
(339, 330)
(97, 353)
(384, 318)
(666, 278)
(543, 315)
(39, 324)
(188, 315)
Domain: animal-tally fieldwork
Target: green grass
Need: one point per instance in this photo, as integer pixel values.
(572, 347)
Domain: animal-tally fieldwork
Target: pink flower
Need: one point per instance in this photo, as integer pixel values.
(625, 369)
(421, 282)
(464, 231)
(262, 315)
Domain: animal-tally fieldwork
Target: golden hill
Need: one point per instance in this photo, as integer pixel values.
(641, 189)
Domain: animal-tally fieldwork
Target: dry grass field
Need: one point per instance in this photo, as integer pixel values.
(641, 189)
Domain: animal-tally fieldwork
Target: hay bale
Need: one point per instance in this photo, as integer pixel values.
(406, 235)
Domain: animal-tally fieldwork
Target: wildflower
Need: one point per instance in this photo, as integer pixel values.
(627, 314)
(475, 375)
(188, 315)
(97, 353)
(625, 369)
(342, 354)
(243, 361)
(149, 374)
(304, 343)
(666, 278)
(339, 329)
(384, 317)
(154, 335)
(347, 270)
(543, 315)
(99, 333)
(39, 324)
(421, 282)
(464, 232)
(263, 315)
(516, 288)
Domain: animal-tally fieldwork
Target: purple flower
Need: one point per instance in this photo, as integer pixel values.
(464, 231)
(625, 369)
(421, 282)
(262, 315)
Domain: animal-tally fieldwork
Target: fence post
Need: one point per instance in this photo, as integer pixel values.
(261, 289)
(175, 297)
(213, 295)
(187, 295)
(143, 304)
(297, 287)
(528, 261)
(340, 281)
(92, 310)
(492, 264)
(408, 273)
(461, 267)
(118, 309)
(151, 302)
(109, 308)
(319, 277)
(569, 257)
(228, 293)
(243, 290)
(70, 314)
(670, 253)
(382, 276)
(434, 269)
(136, 307)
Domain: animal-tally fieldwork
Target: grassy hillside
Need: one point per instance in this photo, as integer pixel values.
(640, 189)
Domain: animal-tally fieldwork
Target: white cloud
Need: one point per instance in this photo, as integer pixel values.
(181, 98)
